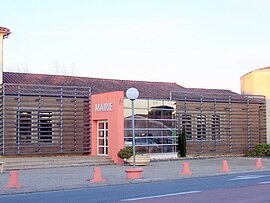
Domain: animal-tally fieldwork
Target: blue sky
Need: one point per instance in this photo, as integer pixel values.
(195, 43)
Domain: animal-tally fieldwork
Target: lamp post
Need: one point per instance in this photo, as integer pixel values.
(132, 94)
(4, 32)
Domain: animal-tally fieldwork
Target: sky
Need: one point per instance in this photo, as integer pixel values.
(195, 43)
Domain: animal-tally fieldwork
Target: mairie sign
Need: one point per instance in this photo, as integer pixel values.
(103, 107)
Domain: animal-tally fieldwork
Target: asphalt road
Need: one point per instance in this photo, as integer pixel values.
(244, 187)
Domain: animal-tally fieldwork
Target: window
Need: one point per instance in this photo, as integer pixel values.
(215, 127)
(186, 123)
(201, 127)
(24, 127)
(155, 126)
(45, 127)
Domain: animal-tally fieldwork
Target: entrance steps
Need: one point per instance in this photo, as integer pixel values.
(39, 162)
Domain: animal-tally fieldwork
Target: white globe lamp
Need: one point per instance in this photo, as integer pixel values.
(132, 93)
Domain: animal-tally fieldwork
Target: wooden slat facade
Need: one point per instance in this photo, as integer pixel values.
(44, 120)
(218, 123)
(40, 119)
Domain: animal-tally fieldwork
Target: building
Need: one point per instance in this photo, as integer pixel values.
(54, 114)
(257, 82)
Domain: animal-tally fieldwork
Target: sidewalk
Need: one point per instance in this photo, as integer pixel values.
(34, 180)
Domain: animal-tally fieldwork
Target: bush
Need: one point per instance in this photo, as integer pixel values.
(249, 153)
(262, 150)
(125, 153)
(182, 144)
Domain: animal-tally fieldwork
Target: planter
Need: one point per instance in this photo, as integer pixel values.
(141, 160)
(134, 173)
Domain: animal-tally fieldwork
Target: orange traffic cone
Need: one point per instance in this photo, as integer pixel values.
(259, 163)
(185, 169)
(97, 176)
(13, 180)
(224, 167)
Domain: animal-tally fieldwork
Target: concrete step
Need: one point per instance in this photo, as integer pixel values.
(20, 163)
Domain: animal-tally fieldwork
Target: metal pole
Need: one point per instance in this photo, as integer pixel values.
(4, 119)
(19, 121)
(61, 121)
(132, 94)
(248, 123)
(230, 123)
(133, 135)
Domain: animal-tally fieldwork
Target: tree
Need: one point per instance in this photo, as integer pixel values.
(61, 69)
(182, 144)
(18, 69)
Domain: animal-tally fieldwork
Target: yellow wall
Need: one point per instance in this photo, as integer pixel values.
(257, 82)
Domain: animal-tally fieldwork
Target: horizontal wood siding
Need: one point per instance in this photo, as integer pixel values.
(45, 120)
(221, 124)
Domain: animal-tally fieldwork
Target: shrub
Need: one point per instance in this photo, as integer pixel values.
(125, 153)
(249, 153)
(262, 150)
(182, 144)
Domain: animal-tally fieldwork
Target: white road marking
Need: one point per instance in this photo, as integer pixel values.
(247, 177)
(157, 196)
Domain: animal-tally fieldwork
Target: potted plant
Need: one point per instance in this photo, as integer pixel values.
(142, 159)
(125, 153)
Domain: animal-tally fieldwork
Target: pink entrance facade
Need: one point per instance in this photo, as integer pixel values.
(107, 125)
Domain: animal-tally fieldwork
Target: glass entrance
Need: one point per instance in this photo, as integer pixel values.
(102, 133)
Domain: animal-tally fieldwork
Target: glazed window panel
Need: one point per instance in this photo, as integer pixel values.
(201, 127)
(168, 148)
(215, 127)
(139, 123)
(155, 103)
(170, 104)
(140, 113)
(187, 124)
(127, 113)
(161, 124)
(155, 125)
(142, 140)
(161, 112)
(24, 127)
(45, 127)
(142, 149)
(138, 104)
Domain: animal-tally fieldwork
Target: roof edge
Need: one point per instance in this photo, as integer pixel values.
(104, 79)
(259, 69)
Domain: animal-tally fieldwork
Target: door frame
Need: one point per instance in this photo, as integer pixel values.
(105, 137)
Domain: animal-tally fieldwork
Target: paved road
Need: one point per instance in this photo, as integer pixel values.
(243, 194)
(244, 187)
(34, 180)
